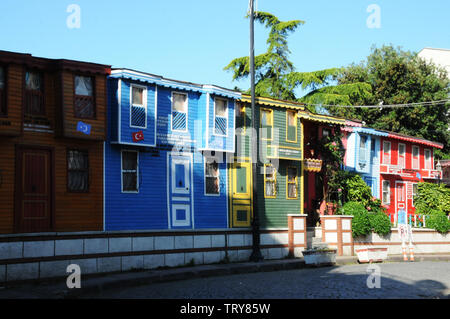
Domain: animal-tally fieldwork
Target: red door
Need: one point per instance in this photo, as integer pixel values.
(34, 190)
(400, 196)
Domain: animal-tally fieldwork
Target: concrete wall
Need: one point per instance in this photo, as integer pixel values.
(44, 256)
(425, 241)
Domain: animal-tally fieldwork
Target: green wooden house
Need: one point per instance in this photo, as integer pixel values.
(280, 179)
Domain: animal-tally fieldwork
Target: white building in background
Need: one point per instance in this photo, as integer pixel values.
(440, 57)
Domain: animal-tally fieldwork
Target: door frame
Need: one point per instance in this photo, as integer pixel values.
(405, 185)
(240, 200)
(18, 183)
(171, 194)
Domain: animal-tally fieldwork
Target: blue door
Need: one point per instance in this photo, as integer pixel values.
(180, 190)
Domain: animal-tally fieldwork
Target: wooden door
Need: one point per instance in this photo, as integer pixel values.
(34, 190)
(241, 194)
(180, 190)
(400, 196)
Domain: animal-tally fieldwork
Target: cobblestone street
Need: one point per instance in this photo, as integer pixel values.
(398, 280)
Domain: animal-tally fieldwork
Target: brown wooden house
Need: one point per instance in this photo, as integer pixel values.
(52, 128)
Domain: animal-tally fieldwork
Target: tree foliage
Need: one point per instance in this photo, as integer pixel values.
(394, 76)
(275, 74)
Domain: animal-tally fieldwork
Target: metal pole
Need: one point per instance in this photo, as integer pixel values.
(256, 253)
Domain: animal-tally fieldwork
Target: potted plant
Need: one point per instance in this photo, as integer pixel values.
(320, 256)
(371, 254)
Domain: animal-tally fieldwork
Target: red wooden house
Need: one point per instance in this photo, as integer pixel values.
(404, 162)
(52, 128)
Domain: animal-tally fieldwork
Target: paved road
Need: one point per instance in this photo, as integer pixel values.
(398, 280)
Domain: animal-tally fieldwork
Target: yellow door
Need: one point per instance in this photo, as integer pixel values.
(241, 194)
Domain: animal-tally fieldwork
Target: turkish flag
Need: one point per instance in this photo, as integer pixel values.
(138, 136)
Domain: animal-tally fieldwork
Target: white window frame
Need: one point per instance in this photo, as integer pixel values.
(388, 192)
(171, 111)
(123, 171)
(209, 160)
(404, 155)
(144, 104)
(412, 191)
(418, 157)
(425, 159)
(365, 148)
(390, 151)
(214, 123)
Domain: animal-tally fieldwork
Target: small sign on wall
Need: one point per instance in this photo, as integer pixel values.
(138, 136)
(84, 128)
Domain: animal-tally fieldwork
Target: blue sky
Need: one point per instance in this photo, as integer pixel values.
(193, 40)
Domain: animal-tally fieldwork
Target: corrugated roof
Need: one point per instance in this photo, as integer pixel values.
(174, 84)
(273, 102)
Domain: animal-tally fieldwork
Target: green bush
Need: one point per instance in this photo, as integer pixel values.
(380, 223)
(360, 223)
(364, 221)
(432, 197)
(438, 220)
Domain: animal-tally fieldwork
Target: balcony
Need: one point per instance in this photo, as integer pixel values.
(312, 165)
(409, 173)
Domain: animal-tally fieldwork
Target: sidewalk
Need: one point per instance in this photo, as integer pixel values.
(56, 288)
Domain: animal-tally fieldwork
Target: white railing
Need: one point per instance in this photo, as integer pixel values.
(415, 220)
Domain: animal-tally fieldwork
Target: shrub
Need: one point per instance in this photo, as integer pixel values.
(364, 221)
(360, 223)
(438, 220)
(432, 197)
(380, 223)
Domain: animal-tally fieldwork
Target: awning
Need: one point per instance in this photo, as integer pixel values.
(273, 102)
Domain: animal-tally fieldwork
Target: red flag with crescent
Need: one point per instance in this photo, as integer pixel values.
(138, 136)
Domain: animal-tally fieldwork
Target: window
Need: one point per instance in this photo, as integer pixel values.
(386, 152)
(291, 126)
(415, 157)
(362, 148)
(77, 171)
(428, 162)
(179, 111)
(130, 171)
(415, 191)
(220, 116)
(34, 96)
(326, 132)
(2, 91)
(267, 123)
(240, 119)
(401, 155)
(269, 181)
(292, 182)
(138, 109)
(212, 182)
(386, 192)
(84, 105)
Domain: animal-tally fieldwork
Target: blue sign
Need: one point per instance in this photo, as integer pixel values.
(84, 128)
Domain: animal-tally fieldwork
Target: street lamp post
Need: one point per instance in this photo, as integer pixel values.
(256, 251)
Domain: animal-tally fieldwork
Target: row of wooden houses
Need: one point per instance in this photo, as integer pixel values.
(85, 147)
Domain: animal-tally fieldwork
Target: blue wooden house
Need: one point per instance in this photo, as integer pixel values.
(165, 154)
(363, 154)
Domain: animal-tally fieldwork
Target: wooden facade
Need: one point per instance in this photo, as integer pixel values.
(51, 171)
(280, 178)
(165, 156)
(315, 127)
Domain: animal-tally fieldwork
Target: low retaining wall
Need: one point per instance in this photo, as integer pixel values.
(37, 256)
(425, 241)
